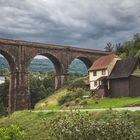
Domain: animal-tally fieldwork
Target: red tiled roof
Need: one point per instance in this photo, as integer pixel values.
(102, 62)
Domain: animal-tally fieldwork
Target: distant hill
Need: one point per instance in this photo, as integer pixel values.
(3, 63)
(45, 65)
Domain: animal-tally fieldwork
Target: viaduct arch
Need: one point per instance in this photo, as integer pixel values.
(19, 55)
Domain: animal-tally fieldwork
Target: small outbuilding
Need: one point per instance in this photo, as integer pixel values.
(124, 80)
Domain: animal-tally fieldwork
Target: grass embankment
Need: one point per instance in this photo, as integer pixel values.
(76, 87)
(34, 123)
(51, 103)
(110, 102)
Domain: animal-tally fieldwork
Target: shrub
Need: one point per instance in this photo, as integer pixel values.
(71, 95)
(80, 126)
(78, 83)
(67, 104)
(12, 133)
(64, 99)
(84, 103)
(77, 101)
(96, 102)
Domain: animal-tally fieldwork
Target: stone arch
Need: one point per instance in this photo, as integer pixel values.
(9, 59)
(84, 59)
(52, 58)
(11, 79)
(57, 65)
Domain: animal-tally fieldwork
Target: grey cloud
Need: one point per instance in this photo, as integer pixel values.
(83, 23)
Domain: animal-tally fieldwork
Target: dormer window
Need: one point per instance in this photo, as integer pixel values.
(94, 73)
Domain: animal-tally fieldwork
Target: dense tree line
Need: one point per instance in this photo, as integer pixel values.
(4, 88)
(41, 86)
(128, 49)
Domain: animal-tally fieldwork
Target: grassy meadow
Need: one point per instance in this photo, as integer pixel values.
(51, 103)
(34, 123)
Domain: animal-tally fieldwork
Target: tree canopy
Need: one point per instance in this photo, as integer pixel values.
(128, 49)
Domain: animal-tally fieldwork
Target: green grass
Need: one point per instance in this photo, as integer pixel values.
(33, 123)
(112, 102)
(51, 103)
(53, 106)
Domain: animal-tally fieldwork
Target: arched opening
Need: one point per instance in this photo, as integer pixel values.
(86, 61)
(6, 67)
(79, 67)
(43, 69)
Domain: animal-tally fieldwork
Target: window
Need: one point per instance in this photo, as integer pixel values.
(95, 83)
(103, 72)
(94, 73)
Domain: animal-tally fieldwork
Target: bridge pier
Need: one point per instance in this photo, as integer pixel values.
(19, 95)
(60, 80)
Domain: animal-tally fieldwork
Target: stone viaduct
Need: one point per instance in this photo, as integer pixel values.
(19, 55)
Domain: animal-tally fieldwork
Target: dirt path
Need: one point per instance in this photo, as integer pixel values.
(102, 109)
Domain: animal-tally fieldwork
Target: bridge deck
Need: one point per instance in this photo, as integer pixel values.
(50, 46)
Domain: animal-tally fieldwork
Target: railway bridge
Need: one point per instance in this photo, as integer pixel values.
(19, 55)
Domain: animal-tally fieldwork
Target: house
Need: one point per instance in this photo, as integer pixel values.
(124, 79)
(100, 69)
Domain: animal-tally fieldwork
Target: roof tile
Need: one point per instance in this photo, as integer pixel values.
(102, 62)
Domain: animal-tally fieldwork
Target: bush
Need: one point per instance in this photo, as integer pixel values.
(12, 133)
(71, 95)
(64, 99)
(78, 83)
(84, 103)
(77, 101)
(80, 126)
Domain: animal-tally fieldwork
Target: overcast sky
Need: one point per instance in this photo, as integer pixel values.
(83, 23)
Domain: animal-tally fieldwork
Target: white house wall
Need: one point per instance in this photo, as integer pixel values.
(92, 78)
(109, 69)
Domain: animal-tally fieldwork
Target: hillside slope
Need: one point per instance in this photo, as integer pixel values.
(68, 95)
(51, 102)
